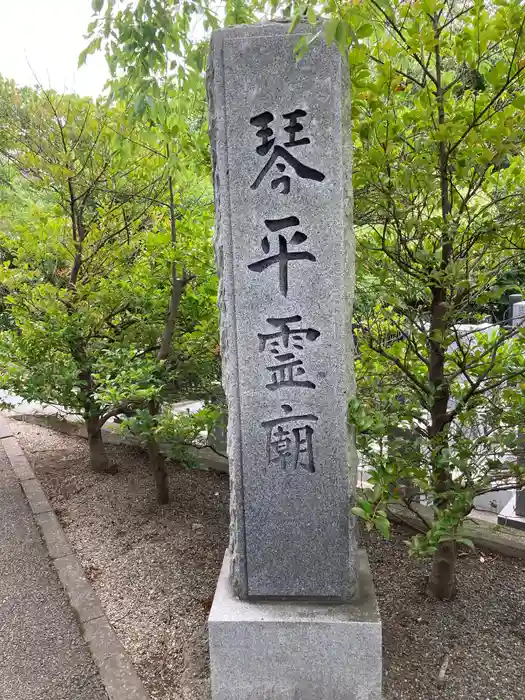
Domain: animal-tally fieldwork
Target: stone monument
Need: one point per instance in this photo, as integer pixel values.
(518, 312)
(513, 299)
(518, 320)
(294, 615)
(513, 513)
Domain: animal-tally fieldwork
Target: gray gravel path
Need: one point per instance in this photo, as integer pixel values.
(42, 654)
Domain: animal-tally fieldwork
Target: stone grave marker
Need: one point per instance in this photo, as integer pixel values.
(518, 312)
(518, 319)
(513, 299)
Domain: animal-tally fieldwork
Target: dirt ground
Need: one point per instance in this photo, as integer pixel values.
(155, 569)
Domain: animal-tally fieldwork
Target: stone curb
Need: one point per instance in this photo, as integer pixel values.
(113, 663)
(495, 539)
(206, 456)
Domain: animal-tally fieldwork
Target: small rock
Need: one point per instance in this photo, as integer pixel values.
(197, 526)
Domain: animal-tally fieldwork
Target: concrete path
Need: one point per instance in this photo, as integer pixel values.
(42, 654)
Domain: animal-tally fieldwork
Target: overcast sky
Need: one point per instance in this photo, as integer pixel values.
(46, 37)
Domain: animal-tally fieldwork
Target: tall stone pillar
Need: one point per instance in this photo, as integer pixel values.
(294, 615)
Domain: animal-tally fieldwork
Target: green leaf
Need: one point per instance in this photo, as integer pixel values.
(311, 16)
(383, 526)
(341, 35)
(364, 31)
(90, 49)
(360, 512)
(304, 43)
(366, 505)
(296, 19)
(97, 5)
(330, 29)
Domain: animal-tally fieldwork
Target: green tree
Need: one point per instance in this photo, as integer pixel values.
(68, 236)
(438, 105)
(157, 74)
(86, 255)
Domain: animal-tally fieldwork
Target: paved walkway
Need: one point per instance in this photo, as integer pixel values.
(42, 654)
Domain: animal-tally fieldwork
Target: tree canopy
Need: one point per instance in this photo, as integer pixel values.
(87, 247)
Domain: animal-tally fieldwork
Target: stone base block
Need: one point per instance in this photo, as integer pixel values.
(294, 650)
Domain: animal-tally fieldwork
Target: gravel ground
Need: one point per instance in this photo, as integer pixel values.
(155, 570)
(481, 634)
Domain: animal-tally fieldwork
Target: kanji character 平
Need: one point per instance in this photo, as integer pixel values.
(283, 256)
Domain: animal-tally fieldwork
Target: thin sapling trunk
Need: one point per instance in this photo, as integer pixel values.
(158, 463)
(97, 451)
(442, 579)
(157, 460)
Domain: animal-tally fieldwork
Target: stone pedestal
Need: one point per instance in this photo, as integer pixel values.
(295, 650)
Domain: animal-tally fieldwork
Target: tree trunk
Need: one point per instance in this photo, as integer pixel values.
(97, 450)
(442, 579)
(158, 463)
(156, 459)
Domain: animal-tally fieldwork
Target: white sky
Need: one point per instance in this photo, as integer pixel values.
(46, 37)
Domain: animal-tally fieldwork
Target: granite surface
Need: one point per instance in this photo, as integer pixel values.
(289, 650)
(284, 248)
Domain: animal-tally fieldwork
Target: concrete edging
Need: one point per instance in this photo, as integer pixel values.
(493, 538)
(206, 456)
(111, 659)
